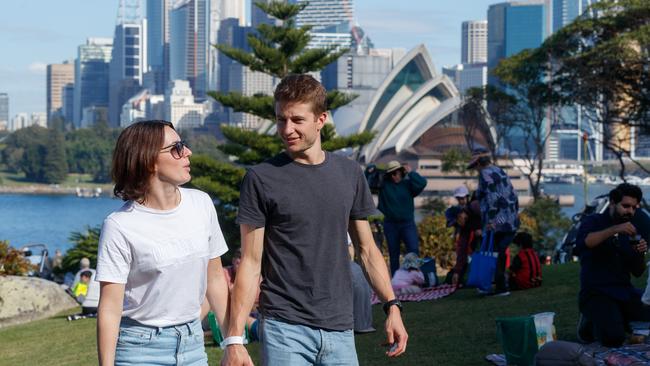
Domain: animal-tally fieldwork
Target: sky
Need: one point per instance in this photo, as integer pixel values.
(34, 33)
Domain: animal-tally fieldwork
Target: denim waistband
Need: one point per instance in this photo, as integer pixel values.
(128, 321)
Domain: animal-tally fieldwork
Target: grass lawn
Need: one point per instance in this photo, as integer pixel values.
(457, 330)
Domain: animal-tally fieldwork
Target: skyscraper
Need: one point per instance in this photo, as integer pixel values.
(565, 11)
(91, 76)
(513, 27)
(158, 28)
(324, 13)
(474, 42)
(219, 11)
(4, 111)
(128, 62)
(189, 45)
(57, 77)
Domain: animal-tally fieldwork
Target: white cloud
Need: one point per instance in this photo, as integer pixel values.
(37, 67)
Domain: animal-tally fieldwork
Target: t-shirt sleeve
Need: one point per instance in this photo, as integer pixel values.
(363, 205)
(216, 243)
(252, 209)
(114, 254)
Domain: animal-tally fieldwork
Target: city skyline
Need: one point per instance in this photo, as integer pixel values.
(49, 33)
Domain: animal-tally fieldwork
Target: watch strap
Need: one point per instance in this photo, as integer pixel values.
(390, 303)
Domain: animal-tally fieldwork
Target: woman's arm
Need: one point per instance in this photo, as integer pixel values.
(109, 313)
(217, 292)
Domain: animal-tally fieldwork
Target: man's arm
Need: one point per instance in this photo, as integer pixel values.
(244, 292)
(109, 313)
(596, 238)
(217, 291)
(376, 272)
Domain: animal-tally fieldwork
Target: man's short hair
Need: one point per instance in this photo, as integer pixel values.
(625, 189)
(523, 239)
(302, 88)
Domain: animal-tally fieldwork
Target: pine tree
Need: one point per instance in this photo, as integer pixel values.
(279, 50)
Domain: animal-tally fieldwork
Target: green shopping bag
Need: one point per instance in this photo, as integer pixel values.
(518, 338)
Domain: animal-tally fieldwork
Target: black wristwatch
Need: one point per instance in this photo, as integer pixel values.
(390, 303)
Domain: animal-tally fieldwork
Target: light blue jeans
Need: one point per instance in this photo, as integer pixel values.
(295, 345)
(139, 344)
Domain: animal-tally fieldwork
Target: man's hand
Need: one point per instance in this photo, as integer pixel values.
(625, 228)
(406, 167)
(642, 247)
(236, 355)
(395, 333)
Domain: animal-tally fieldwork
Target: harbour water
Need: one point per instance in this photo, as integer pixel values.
(50, 219)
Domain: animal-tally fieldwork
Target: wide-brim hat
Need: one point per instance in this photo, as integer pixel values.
(476, 155)
(411, 260)
(392, 166)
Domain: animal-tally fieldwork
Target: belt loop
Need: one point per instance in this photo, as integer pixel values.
(190, 331)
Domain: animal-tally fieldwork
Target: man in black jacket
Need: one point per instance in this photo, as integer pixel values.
(610, 250)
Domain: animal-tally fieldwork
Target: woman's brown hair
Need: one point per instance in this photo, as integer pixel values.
(134, 158)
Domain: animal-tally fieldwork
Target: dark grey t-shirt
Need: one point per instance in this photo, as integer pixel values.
(305, 210)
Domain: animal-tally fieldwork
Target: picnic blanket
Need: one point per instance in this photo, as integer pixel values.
(431, 293)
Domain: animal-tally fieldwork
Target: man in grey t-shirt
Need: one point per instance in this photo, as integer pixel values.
(295, 211)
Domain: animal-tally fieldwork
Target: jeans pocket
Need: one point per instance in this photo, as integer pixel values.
(135, 336)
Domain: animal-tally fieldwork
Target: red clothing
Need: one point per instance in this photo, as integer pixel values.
(526, 270)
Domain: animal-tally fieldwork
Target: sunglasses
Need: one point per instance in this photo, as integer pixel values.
(176, 149)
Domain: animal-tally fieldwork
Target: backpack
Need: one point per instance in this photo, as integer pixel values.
(375, 178)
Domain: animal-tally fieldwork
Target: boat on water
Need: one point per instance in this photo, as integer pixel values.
(88, 192)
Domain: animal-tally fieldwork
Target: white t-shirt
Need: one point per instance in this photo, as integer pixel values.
(162, 257)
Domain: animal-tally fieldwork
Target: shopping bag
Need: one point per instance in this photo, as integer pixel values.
(483, 264)
(518, 338)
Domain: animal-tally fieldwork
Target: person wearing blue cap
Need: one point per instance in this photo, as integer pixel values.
(499, 209)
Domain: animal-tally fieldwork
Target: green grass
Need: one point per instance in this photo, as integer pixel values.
(457, 330)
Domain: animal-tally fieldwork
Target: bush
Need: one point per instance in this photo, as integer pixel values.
(85, 245)
(12, 261)
(547, 224)
(436, 240)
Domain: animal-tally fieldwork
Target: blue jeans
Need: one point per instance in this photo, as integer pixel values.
(395, 232)
(140, 344)
(295, 345)
(501, 242)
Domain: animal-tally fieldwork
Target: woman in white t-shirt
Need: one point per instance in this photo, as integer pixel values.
(158, 255)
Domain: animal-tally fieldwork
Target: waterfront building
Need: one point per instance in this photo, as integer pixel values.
(474, 42)
(181, 109)
(92, 115)
(20, 120)
(91, 76)
(221, 10)
(57, 77)
(189, 45)
(321, 14)
(247, 82)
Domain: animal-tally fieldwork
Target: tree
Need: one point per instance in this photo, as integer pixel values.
(533, 102)
(55, 167)
(602, 64)
(85, 244)
(545, 221)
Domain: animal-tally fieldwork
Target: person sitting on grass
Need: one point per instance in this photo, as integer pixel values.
(408, 279)
(80, 289)
(525, 270)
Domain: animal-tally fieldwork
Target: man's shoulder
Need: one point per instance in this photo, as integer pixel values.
(342, 161)
(271, 165)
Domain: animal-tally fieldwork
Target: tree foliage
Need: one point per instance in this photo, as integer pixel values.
(85, 244)
(546, 222)
(601, 62)
(12, 261)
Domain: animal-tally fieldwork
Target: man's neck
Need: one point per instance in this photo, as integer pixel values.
(312, 156)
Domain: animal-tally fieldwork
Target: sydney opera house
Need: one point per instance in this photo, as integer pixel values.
(417, 115)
